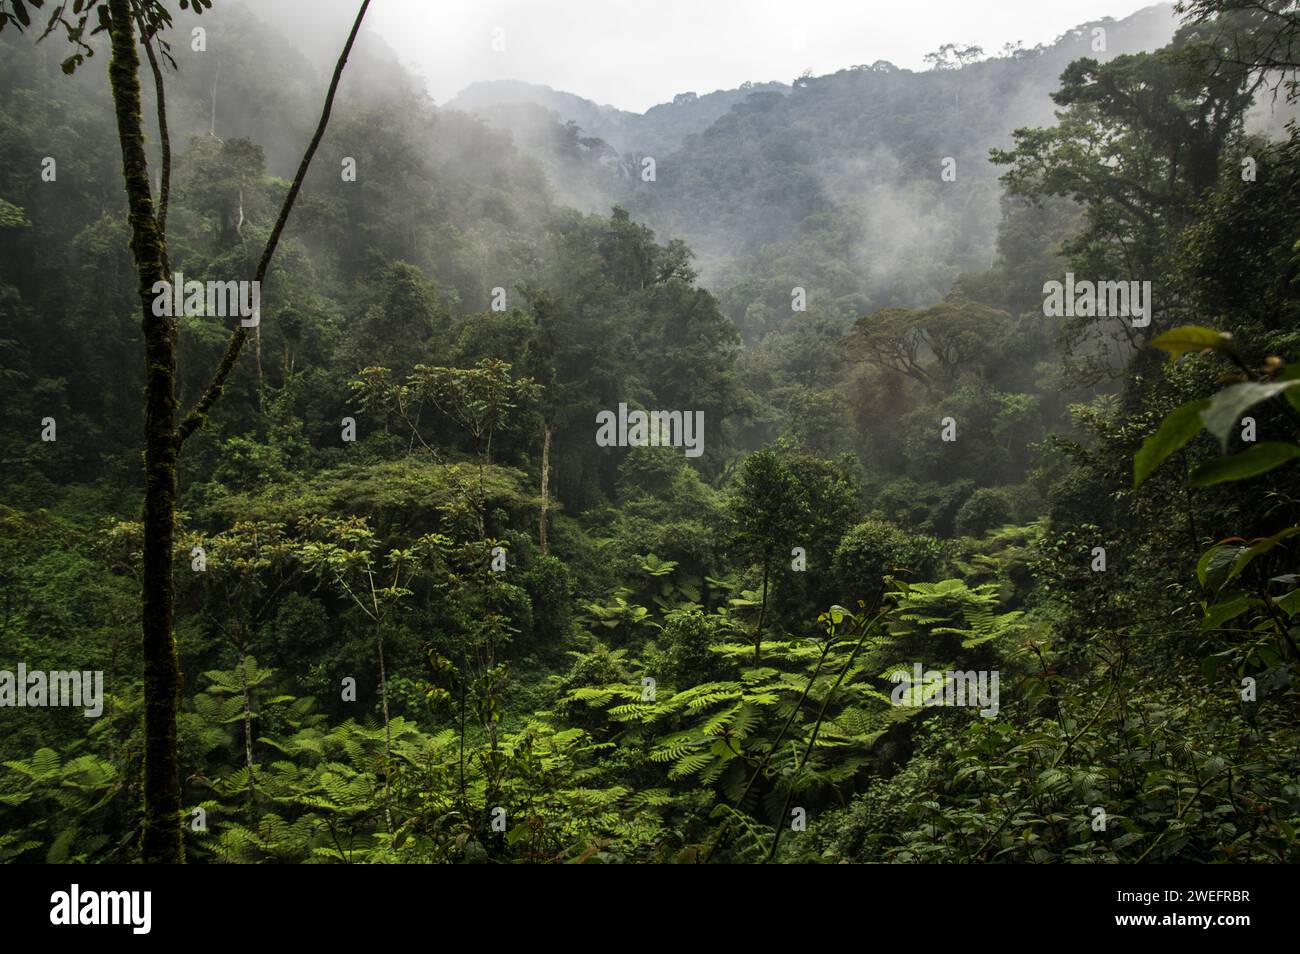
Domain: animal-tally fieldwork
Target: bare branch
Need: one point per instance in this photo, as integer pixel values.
(195, 418)
(164, 137)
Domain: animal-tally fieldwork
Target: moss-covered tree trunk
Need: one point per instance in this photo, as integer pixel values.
(161, 835)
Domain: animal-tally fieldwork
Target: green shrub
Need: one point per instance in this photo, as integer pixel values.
(875, 549)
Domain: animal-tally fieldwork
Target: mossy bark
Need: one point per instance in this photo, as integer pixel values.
(161, 839)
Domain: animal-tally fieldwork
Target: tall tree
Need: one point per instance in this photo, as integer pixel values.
(767, 508)
(161, 835)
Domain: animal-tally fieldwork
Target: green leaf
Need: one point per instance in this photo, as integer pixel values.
(1227, 407)
(1290, 603)
(1215, 564)
(1290, 373)
(1210, 667)
(1179, 341)
(1229, 608)
(1258, 460)
(1258, 547)
(1178, 427)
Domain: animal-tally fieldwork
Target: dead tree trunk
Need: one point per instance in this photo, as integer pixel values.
(548, 431)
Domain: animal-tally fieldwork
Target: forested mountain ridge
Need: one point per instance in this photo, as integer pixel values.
(657, 131)
(738, 170)
(661, 129)
(434, 598)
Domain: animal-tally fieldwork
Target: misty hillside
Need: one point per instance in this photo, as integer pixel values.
(891, 466)
(661, 129)
(738, 170)
(657, 131)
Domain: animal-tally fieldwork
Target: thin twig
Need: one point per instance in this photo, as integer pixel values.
(195, 418)
(164, 138)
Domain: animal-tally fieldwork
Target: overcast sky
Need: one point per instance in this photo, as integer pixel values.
(636, 53)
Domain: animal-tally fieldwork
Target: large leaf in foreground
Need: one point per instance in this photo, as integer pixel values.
(1227, 407)
(1180, 341)
(1258, 460)
(1179, 427)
